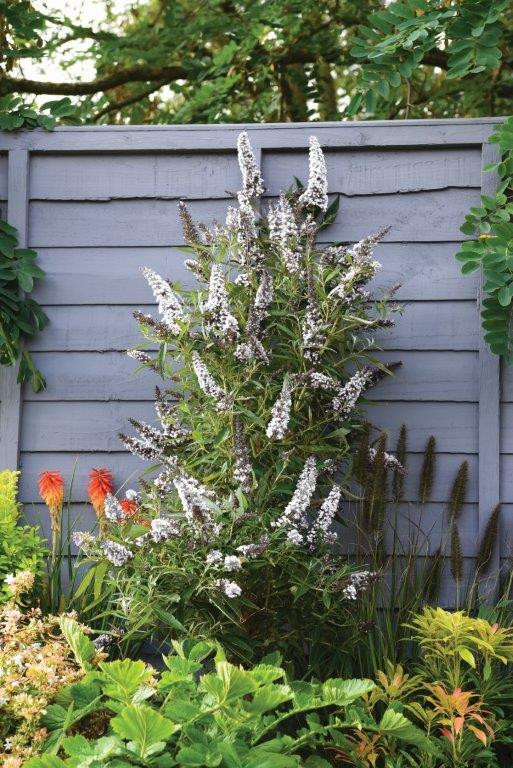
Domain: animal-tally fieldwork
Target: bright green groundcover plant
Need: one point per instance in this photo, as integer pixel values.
(203, 711)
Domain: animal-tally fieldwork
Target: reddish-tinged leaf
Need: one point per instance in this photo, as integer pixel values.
(478, 733)
(459, 722)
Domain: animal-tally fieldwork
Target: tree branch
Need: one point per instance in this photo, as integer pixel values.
(117, 105)
(133, 74)
(436, 58)
(137, 74)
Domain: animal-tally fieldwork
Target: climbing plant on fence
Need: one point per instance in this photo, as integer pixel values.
(19, 313)
(492, 248)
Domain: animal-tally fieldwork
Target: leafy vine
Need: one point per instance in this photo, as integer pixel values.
(19, 314)
(492, 248)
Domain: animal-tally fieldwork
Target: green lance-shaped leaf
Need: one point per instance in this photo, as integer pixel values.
(82, 647)
(433, 579)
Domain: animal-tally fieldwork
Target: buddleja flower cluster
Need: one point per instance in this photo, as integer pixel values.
(268, 358)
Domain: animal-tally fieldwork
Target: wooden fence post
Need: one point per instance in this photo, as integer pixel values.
(489, 413)
(10, 390)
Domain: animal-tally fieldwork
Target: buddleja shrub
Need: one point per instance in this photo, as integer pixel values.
(267, 359)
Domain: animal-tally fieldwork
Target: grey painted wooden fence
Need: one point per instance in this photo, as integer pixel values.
(98, 202)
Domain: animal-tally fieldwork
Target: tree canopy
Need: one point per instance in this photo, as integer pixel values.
(182, 61)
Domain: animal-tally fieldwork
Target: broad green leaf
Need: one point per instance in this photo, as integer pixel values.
(121, 679)
(398, 726)
(345, 692)
(199, 755)
(78, 746)
(178, 670)
(264, 759)
(268, 697)
(236, 682)
(45, 761)
(81, 694)
(145, 729)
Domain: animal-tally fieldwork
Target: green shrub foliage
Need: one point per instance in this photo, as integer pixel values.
(267, 357)
(21, 547)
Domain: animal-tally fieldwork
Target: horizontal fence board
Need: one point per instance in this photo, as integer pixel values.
(417, 216)
(105, 177)
(449, 592)
(424, 271)
(436, 376)
(422, 325)
(83, 328)
(79, 426)
(433, 325)
(93, 376)
(371, 133)
(81, 517)
(453, 424)
(93, 426)
(127, 468)
(112, 376)
(106, 275)
(369, 172)
(506, 535)
(506, 478)
(410, 532)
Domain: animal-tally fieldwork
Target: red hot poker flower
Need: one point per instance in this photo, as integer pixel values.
(100, 484)
(51, 490)
(129, 507)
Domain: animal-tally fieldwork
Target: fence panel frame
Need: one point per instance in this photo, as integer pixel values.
(384, 135)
